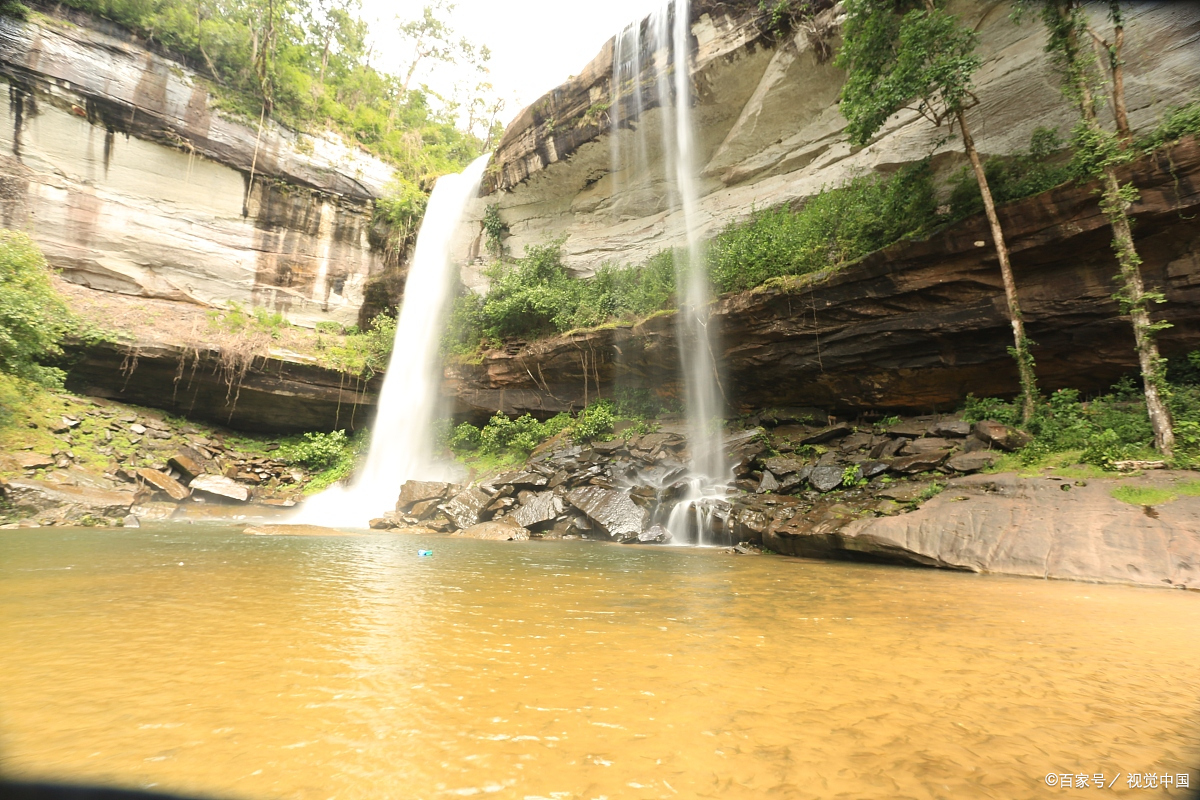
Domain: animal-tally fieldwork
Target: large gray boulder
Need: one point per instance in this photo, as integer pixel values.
(466, 508)
(537, 509)
(220, 487)
(413, 492)
(613, 511)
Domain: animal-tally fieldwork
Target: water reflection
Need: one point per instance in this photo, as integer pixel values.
(197, 659)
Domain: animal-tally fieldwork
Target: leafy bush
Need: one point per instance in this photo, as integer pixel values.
(1012, 177)
(832, 228)
(537, 296)
(33, 319)
(316, 451)
(594, 422)
(1176, 123)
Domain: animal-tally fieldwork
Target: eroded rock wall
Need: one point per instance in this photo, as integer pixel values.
(769, 130)
(115, 160)
(916, 326)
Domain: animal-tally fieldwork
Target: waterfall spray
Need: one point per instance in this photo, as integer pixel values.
(402, 437)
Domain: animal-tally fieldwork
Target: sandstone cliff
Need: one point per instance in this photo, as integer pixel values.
(116, 161)
(916, 326)
(769, 131)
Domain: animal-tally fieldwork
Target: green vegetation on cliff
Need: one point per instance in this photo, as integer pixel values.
(308, 65)
(33, 319)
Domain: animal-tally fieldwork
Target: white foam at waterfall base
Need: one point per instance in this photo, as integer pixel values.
(667, 44)
(402, 436)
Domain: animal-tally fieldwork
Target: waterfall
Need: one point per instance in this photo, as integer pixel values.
(402, 437)
(665, 44)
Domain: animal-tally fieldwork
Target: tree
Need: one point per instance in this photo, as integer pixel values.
(897, 52)
(431, 38)
(1100, 152)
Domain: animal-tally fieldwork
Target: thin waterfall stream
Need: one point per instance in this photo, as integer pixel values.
(664, 46)
(402, 437)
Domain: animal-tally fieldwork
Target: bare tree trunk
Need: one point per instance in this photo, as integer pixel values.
(1118, 76)
(1020, 349)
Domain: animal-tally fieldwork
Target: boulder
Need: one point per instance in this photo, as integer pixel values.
(466, 507)
(528, 480)
(161, 480)
(909, 428)
(827, 434)
(496, 531)
(30, 497)
(1001, 436)
(187, 462)
(33, 461)
(222, 487)
(768, 483)
(950, 428)
(826, 477)
(413, 492)
(869, 469)
(424, 509)
(931, 444)
(538, 508)
(972, 462)
(782, 467)
(613, 511)
(888, 448)
(655, 534)
(922, 462)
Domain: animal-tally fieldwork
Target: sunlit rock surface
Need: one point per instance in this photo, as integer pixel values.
(116, 162)
(769, 131)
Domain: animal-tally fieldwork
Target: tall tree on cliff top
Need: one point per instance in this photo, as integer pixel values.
(1100, 152)
(912, 54)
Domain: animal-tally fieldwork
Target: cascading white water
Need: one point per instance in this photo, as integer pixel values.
(402, 438)
(666, 44)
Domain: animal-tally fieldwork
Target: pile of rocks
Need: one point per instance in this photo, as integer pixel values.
(622, 490)
(154, 465)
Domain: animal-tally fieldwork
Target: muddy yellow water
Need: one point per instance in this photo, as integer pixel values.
(199, 660)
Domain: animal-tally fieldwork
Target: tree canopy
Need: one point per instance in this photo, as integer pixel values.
(899, 53)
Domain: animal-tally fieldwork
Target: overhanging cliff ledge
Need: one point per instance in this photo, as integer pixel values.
(916, 326)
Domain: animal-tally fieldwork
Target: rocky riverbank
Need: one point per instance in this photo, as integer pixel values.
(915, 491)
(71, 460)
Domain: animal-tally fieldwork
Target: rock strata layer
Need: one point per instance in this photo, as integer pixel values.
(914, 327)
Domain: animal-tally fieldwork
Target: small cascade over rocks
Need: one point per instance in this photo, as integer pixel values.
(402, 437)
(662, 45)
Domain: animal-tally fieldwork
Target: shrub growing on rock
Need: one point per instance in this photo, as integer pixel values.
(316, 451)
(33, 319)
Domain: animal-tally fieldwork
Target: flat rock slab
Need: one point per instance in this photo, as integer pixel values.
(494, 531)
(1033, 527)
(34, 496)
(161, 480)
(294, 530)
(222, 487)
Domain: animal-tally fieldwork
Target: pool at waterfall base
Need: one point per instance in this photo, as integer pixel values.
(192, 658)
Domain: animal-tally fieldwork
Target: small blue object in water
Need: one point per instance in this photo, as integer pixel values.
(424, 552)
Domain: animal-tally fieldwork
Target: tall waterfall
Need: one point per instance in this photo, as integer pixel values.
(402, 439)
(662, 45)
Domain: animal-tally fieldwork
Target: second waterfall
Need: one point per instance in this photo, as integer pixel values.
(651, 69)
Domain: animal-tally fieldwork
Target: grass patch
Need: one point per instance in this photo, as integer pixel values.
(1189, 488)
(1142, 495)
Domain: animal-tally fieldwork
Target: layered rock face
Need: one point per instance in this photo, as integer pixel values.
(916, 326)
(117, 163)
(768, 130)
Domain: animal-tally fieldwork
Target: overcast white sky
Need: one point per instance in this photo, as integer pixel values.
(535, 44)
